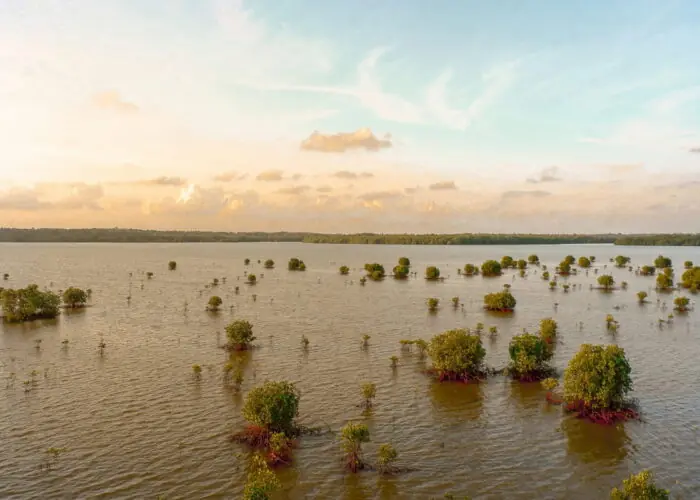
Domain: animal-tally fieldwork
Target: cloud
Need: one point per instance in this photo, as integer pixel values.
(510, 195)
(270, 176)
(111, 100)
(346, 174)
(229, 176)
(622, 169)
(380, 195)
(443, 186)
(53, 197)
(324, 189)
(293, 190)
(694, 150)
(165, 181)
(548, 174)
(82, 196)
(21, 199)
(340, 143)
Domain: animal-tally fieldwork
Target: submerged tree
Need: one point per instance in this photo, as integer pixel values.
(252, 279)
(246, 262)
(584, 262)
(404, 261)
(470, 269)
(269, 264)
(500, 301)
(647, 271)
(375, 271)
(240, 335)
(564, 268)
(622, 261)
(271, 407)
(401, 272)
(352, 437)
(548, 330)
(296, 265)
(681, 304)
(691, 279)
(172, 265)
(606, 281)
(214, 303)
(369, 391)
(491, 268)
(344, 270)
(432, 273)
(30, 303)
(433, 304)
(596, 382)
(639, 487)
(688, 264)
(641, 296)
(533, 259)
(662, 262)
(457, 355)
(507, 262)
(529, 355)
(74, 297)
(261, 481)
(386, 456)
(664, 281)
(522, 264)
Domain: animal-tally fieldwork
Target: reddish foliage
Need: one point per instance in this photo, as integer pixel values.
(551, 398)
(253, 435)
(606, 416)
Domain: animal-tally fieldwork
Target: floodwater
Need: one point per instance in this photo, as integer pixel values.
(135, 424)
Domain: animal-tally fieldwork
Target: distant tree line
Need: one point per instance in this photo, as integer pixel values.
(116, 235)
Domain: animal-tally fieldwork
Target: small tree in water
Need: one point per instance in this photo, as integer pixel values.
(404, 261)
(344, 270)
(271, 407)
(246, 262)
(606, 281)
(500, 301)
(529, 355)
(433, 304)
(491, 268)
(584, 262)
(681, 304)
(269, 264)
(639, 487)
(457, 355)
(548, 330)
(386, 456)
(240, 335)
(432, 273)
(641, 296)
(252, 279)
(352, 437)
(533, 259)
(401, 272)
(664, 281)
(596, 382)
(172, 265)
(74, 297)
(369, 391)
(470, 270)
(30, 303)
(296, 265)
(261, 481)
(214, 303)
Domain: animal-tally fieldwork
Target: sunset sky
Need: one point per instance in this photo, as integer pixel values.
(317, 115)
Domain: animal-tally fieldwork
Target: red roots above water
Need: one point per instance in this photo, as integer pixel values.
(447, 376)
(606, 416)
(551, 398)
(354, 463)
(254, 436)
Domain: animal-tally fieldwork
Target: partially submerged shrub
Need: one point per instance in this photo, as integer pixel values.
(641, 296)
(172, 265)
(30, 303)
(214, 303)
(662, 262)
(664, 281)
(564, 268)
(500, 301)
(344, 270)
(639, 487)
(261, 481)
(269, 264)
(691, 278)
(375, 271)
(548, 330)
(647, 270)
(529, 355)
(273, 407)
(197, 372)
(404, 261)
(369, 391)
(507, 262)
(457, 355)
(491, 268)
(584, 262)
(252, 279)
(432, 273)
(681, 304)
(455, 302)
(240, 335)
(621, 260)
(470, 270)
(394, 361)
(352, 437)
(596, 383)
(386, 456)
(401, 272)
(74, 297)
(296, 265)
(433, 303)
(606, 281)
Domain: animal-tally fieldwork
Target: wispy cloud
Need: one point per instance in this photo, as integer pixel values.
(164, 181)
(112, 100)
(293, 190)
(443, 186)
(346, 174)
(229, 176)
(345, 141)
(549, 174)
(270, 176)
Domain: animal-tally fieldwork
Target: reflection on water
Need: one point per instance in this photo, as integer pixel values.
(138, 425)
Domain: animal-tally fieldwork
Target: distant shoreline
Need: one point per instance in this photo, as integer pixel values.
(117, 235)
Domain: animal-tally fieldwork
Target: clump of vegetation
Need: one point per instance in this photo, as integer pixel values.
(30, 303)
(550, 384)
(269, 264)
(433, 304)
(548, 330)
(149, 275)
(172, 265)
(507, 262)
(664, 281)
(214, 303)
(688, 264)
(296, 265)
(533, 259)
(197, 372)
(344, 270)
(647, 271)
(369, 391)
(304, 342)
(564, 268)
(394, 361)
(521, 264)
(470, 270)
(641, 296)
(261, 481)
(622, 261)
(457, 355)
(240, 335)
(432, 273)
(252, 279)
(491, 268)
(500, 301)
(529, 355)
(74, 298)
(691, 279)
(365, 340)
(596, 382)
(681, 304)
(375, 271)
(545, 275)
(401, 272)
(606, 281)
(269, 408)
(386, 456)
(246, 262)
(405, 261)
(584, 262)
(611, 323)
(352, 437)
(662, 262)
(553, 285)
(455, 302)
(639, 487)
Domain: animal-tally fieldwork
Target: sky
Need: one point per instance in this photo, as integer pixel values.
(312, 115)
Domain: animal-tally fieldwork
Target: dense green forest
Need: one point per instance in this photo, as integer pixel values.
(102, 235)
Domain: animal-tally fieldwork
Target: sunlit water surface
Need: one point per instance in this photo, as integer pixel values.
(136, 424)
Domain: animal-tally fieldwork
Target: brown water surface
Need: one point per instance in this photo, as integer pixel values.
(136, 424)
